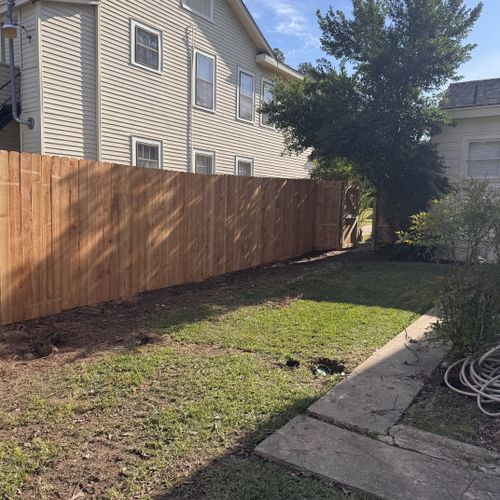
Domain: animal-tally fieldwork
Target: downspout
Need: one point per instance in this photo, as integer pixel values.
(191, 40)
(30, 122)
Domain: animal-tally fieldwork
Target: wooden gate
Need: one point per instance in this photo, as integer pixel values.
(337, 213)
(350, 217)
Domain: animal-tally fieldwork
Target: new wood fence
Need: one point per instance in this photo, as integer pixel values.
(77, 232)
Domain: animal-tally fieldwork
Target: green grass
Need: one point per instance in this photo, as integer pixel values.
(181, 418)
(18, 461)
(365, 218)
(341, 315)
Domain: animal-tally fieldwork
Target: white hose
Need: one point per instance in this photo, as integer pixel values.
(480, 375)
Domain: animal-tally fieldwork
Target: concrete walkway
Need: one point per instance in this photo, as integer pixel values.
(350, 436)
(377, 393)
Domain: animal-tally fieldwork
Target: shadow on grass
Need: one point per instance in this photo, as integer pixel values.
(239, 473)
(353, 278)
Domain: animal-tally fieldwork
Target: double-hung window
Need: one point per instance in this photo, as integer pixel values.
(204, 80)
(266, 97)
(204, 8)
(244, 166)
(246, 96)
(146, 153)
(146, 46)
(483, 159)
(204, 162)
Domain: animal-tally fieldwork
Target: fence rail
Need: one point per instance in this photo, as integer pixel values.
(78, 232)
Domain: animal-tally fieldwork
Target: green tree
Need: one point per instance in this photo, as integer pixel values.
(280, 56)
(380, 115)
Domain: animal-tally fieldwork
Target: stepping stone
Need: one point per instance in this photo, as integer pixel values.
(362, 463)
(376, 394)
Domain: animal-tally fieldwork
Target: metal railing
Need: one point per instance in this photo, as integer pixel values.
(5, 89)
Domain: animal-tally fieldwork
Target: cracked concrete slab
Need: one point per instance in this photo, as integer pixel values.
(392, 473)
(376, 394)
(441, 447)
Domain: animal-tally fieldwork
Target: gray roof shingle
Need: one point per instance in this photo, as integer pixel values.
(476, 93)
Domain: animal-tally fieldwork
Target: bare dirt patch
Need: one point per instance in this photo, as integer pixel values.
(79, 333)
(441, 411)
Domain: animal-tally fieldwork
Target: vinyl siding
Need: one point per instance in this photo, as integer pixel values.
(137, 102)
(27, 52)
(69, 80)
(452, 142)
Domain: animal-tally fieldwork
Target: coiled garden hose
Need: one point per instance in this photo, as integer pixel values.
(480, 377)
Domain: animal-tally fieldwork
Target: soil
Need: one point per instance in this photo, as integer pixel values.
(32, 349)
(42, 343)
(441, 411)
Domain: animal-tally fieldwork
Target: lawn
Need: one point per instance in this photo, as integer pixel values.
(166, 395)
(366, 217)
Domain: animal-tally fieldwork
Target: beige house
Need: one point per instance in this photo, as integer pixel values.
(173, 84)
(471, 148)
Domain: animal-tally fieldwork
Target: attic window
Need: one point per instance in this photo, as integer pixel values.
(204, 8)
(483, 160)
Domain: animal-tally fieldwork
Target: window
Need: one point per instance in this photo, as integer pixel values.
(245, 96)
(267, 96)
(146, 45)
(204, 8)
(244, 166)
(146, 153)
(204, 88)
(483, 161)
(204, 162)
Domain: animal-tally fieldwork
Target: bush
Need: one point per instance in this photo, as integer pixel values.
(401, 251)
(464, 229)
(470, 303)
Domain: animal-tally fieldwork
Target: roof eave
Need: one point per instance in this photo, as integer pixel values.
(20, 3)
(474, 111)
(271, 64)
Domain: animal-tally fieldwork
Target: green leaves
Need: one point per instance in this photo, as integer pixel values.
(380, 117)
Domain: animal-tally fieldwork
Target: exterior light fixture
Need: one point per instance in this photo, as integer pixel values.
(9, 30)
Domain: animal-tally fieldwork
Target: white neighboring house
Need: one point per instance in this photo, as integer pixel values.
(471, 148)
(174, 84)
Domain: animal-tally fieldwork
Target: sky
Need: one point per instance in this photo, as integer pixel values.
(292, 26)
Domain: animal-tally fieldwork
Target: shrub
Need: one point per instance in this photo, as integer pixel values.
(470, 302)
(464, 229)
(401, 251)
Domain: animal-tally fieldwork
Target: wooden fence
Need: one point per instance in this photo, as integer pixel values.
(78, 232)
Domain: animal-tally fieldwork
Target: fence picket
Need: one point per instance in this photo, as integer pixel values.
(78, 232)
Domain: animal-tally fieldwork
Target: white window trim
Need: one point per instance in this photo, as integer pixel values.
(137, 24)
(193, 77)
(205, 152)
(150, 142)
(252, 121)
(464, 170)
(244, 158)
(264, 81)
(211, 18)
